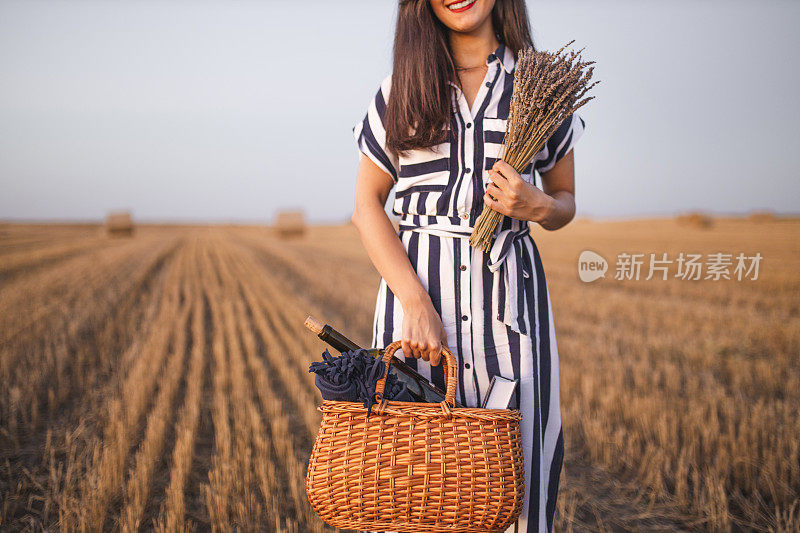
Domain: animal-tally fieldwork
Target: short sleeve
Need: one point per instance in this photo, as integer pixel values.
(370, 133)
(560, 142)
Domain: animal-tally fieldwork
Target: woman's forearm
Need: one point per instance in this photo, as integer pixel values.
(388, 254)
(560, 211)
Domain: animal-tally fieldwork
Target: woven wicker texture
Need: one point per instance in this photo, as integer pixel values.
(415, 466)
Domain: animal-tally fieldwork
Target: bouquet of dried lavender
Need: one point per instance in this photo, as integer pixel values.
(548, 87)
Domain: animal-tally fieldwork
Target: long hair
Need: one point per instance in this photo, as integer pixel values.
(418, 110)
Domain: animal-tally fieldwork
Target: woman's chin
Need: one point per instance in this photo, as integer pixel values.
(463, 24)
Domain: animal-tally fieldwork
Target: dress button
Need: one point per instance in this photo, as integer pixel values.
(465, 216)
(467, 170)
(463, 267)
(488, 84)
(466, 365)
(464, 318)
(469, 125)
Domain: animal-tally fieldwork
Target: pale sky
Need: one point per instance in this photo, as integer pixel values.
(229, 110)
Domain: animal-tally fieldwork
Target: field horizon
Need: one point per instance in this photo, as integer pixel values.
(782, 216)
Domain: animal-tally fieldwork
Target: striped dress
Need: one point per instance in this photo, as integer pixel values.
(495, 306)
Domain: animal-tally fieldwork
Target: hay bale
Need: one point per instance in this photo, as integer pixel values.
(119, 224)
(761, 217)
(290, 224)
(695, 220)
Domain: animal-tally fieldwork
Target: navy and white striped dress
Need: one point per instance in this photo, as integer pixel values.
(495, 306)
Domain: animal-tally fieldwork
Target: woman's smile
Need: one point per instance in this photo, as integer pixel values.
(458, 7)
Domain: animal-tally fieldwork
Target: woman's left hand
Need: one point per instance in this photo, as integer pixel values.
(512, 196)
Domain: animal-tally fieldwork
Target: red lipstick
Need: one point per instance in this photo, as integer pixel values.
(461, 9)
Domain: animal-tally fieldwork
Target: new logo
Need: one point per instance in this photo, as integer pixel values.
(591, 266)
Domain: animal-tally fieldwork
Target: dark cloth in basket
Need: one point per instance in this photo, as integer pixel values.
(352, 377)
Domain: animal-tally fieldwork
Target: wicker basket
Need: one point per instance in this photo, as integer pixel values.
(415, 466)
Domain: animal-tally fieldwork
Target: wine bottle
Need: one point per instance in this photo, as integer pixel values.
(420, 388)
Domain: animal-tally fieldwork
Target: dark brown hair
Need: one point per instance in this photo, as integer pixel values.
(418, 110)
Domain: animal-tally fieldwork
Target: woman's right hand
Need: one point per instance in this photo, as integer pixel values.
(423, 332)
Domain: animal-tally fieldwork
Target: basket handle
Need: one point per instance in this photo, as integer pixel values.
(450, 372)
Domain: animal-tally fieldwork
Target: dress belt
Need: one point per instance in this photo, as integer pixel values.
(505, 261)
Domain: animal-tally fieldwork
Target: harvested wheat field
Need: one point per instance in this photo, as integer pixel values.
(160, 382)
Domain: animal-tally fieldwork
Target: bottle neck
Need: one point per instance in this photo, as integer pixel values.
(337, 340)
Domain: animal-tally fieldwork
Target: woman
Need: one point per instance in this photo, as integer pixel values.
(434, 132)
